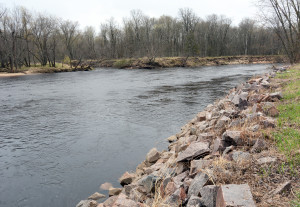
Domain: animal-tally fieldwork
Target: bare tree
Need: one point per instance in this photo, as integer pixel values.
(284, 17)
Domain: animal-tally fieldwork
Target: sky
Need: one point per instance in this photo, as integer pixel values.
(95, 12)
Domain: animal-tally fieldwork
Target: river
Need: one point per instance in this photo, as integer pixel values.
(64, 134)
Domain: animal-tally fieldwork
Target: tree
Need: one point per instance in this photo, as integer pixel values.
(284, 17)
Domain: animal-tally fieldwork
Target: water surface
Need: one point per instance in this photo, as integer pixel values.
(62, 135)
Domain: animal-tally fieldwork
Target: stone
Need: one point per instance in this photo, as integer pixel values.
(205, 136)
(176, 198)
(197, 165)
(179, 178)
(181, 167)
(100, 205)
(240, 156)
(197, 184)
(209, 195)
(266, 160)
(114, 191)
(194, 201)
(222, 122)
(128, 188)
(110, 201)
(193, 151)
(240, 99)
(87, 203)
(172, 138)
(232, 138)
(227, 150)
(273, 112)
(153, 155)
(201, 116)
(259, 145)
(170, 188)
(153, 168)
(234, 196)
(123, 201)
(148, 182)
(136, 195)
(96, 196)
(106, 186)
(268, 122)
(217, 146)
(285, 187)
(126, 178)
(277, 95)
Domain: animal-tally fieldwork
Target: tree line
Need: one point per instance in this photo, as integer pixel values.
(28, 38)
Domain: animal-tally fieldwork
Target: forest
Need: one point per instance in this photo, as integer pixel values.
(29, 38)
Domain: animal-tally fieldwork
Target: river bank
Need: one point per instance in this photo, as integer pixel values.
(236, 145)
(171, 62)
(40, 70)
(144, 63)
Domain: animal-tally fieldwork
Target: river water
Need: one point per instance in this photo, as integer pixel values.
(64, 134)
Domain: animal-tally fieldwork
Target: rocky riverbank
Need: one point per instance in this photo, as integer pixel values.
(224, 157)
(171, 62)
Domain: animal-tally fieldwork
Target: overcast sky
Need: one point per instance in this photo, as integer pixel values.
(95, 12)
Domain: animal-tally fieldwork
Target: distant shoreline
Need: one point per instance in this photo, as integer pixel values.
(162, 62)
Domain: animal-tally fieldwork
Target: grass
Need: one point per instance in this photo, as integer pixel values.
(287, 134)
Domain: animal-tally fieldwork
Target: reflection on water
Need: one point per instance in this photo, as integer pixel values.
(62, 135)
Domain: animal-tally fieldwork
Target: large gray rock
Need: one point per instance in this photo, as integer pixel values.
(194, 150)
(197, 184)
(194, 201)
(110, 201)
(234, 196)
(176, 198)
(123, 201)
(198, 165)
(266, 160)
(87, 203)
(232, 138)
(240, 156)
(259, 145)
(153, 155)
(148, 182)
(114, 191)
(222, 122)
(96, 196)
(209, 195)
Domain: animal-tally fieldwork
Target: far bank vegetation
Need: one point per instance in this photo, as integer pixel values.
(29, 39)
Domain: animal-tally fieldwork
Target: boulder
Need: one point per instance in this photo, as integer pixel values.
(179, 178)
(234, 196)
(232, 138)
(259, 145)
(277, 95)
(170, 188)
(194, 201)
(268, 122)
(172, 138)
(209, 195)
(136, 195)
(205, 136)
(96, 196)
(87, 203)
(201, 116)
(106, 186)
(153, 155)
(222, 122)
(114, 191)
(197, 184)
(217, 146)
(194, 150)
(240, 156)
(148, 182)
(266, 160)
(123, 201)
(197, 165)
(126, 178)
(110, 201)
(176, 198)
